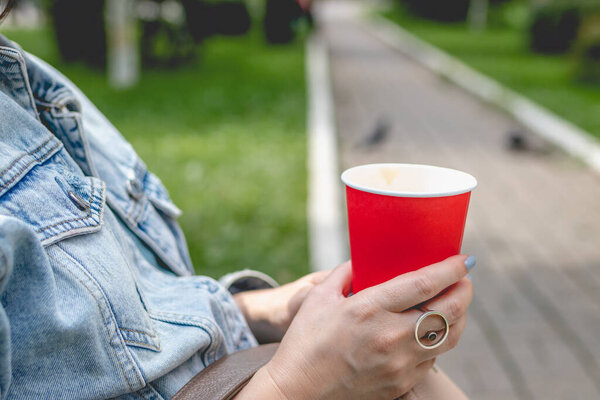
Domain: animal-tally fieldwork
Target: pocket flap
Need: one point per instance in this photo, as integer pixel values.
(55, 202)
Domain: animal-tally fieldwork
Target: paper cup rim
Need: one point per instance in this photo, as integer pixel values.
(395, 193)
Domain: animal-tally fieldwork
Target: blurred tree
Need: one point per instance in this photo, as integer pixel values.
(478, 11)
(588, 47)
(208, 18)
(123, 58)
(440, 10)
(79, 29)
(554, 25)
(280, 18)
(165, 37)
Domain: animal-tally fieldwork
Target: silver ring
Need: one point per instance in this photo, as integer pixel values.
(431, 334)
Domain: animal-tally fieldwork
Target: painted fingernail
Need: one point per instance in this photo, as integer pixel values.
(470, 262)
(469, 276)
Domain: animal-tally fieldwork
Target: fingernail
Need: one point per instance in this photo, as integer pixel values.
(469, 276)
(470, 262)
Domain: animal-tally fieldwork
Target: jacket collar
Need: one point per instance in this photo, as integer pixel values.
(27, 82)
(14, 79)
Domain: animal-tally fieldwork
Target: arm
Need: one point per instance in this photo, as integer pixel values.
(269, 312)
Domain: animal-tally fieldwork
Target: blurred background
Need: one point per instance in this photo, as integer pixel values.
(548, 50)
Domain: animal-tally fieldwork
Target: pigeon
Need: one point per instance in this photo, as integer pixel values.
(378, 134)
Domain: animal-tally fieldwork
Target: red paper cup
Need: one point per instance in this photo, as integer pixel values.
(402, 217)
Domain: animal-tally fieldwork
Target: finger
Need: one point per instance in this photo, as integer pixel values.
(450, 342)
(317, 277)
(339, 281)
(453, 303)
(410, 289)
(432, 324)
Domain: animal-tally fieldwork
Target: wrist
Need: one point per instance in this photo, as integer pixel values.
(263, 314)
(261, 386)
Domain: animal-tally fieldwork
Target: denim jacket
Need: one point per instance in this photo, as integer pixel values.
(97, 297)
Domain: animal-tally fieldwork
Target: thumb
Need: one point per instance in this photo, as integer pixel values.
(339, 280)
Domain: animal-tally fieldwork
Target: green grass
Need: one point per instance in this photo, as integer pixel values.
(227, 138)
(502, 52)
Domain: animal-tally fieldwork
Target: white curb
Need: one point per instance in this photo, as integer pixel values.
(327, 239)
(541, 121)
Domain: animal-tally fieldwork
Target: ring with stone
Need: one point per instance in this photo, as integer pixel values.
(432, 338)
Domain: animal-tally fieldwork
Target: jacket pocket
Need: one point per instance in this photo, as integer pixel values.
(59, 203)
(55, 202)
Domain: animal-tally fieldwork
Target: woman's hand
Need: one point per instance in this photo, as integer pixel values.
(269, 312)
(363, 347)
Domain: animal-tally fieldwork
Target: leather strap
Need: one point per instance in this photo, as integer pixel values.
(225, 378)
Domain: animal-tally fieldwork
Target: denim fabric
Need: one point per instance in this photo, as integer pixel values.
(97, 294)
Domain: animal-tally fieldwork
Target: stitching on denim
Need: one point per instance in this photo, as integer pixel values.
(142, 210)
(43, 103)
(88, 214)
(168, 261)
(4, 171)
(179, 318)
(27, 166)
(133, 277)
(136, 331)
(99, 219)
(148, 392)
(63, 94)
(25, 77)
(86, 146)
(151, 243)
(100, 309)
(55, 101)
(63, 115)
(151, 386)
(110, 306)
(17, 56)
(198, 324)
(144, 344)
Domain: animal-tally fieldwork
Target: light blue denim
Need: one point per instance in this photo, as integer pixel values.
(96, 288)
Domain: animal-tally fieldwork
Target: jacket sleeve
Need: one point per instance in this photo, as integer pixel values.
(5, 273)
(247, 279)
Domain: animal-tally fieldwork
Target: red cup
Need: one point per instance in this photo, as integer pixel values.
(402, 217)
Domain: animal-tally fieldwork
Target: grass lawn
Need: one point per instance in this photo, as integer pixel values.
(227, 137)
(502, 53)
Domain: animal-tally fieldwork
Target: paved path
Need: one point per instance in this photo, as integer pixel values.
(534, 222)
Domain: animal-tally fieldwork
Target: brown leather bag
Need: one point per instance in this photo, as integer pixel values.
(225, 378)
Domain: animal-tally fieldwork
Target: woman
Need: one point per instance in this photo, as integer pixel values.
(98, 298)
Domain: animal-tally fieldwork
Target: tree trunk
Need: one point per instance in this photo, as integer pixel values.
(478, 11)
(123, 57)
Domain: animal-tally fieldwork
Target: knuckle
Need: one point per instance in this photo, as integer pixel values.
(384, 342)
(456, 309)
(362, 311)
(425, 286)
(397, 370)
